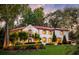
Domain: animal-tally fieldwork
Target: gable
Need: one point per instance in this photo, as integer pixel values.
(30, 27)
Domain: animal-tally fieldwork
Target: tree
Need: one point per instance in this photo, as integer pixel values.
(75, 36)
(32, 17)
(55, 18)
(39, 15)
(54, 37)
(70, 16)
(8, 13)
(71, 35)
(13, 37)
(27, 15)
(64, 40)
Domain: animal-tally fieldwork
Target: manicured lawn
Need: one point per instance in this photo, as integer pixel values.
(50, 50)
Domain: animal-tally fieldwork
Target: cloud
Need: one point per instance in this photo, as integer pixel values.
(34, 6)
(51, 7)
(47, 7)
(47, 11)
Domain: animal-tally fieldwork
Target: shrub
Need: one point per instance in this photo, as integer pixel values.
(54, 37)
(64, 40)
(37, 36)
(30, 47)
(13, 37)
(23, 35)
(42, 46)
(17, 47)
(33, 36)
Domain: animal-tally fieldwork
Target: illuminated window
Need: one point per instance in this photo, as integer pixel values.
(44, 39)
(44, 31)
(49, 40)
(10, 43)
(58, 40)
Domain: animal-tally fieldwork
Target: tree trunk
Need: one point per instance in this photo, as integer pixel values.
(6, 39)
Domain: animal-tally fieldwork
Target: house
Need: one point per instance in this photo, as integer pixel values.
(46, 33)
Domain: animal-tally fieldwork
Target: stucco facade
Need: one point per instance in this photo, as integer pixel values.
(46, 33)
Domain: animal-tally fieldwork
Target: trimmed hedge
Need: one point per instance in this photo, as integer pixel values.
(26, 47)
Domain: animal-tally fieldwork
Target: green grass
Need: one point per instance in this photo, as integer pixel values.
(50, 50)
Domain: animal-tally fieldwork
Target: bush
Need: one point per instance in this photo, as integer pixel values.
(17, 47)
(64, 40)
(42, 46)
(37, 36)
(26, 47)
(13, 37)
(54, 37)
(30, 47)
(23, 35)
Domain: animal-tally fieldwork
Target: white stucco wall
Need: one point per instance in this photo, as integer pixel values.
(66, 33)
(47, 36)
(39, 31)
(58, 34)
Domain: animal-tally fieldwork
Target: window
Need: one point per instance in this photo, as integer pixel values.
(58, 40)
(44, 31)
(49, 40)
(44, 39)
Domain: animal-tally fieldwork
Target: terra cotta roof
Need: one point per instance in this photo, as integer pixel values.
(42, 28)
(48, 28)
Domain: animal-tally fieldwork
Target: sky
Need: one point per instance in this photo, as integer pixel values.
(52, 7)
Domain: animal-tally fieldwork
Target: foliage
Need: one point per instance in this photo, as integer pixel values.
(54, 37)
(27, 14)
(39, 14)
(77, 33)
(13, 37)
(33, 36)
(71, 35)
(23, 35)
(55, 18)
(8, 14)
(37, 36)
(65, 18)
(64, 40)
(1, 38)
(33, 17)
